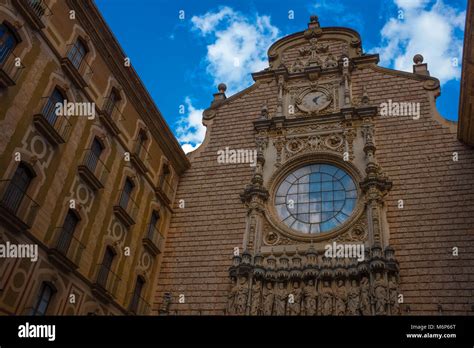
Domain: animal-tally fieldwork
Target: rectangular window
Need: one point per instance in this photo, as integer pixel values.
(44, 299)
(67, 232)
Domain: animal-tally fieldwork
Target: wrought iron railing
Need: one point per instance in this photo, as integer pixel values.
(16, 202)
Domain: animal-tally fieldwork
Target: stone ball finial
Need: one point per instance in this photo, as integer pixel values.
(313, 18)
(418, 59)
(222, 87)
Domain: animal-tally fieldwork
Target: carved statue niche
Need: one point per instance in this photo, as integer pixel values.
(326, 298)
(294, 299)
(281, 297)
(379, 294)
(240, 305)
(393, 294)
(310, 298)
(353, 299)
(232, 297)
(365, 296)
(268, 299)
(256, 307)
(340, 298)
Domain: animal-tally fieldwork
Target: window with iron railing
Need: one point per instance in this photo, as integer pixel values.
(105, 267)
(76, 54)
(67, 232)
(111, 102)
(16, 189)
(7, 43)
(44, 299)
(49, 109)
(126, 193)
(92, 157)
(134, 304)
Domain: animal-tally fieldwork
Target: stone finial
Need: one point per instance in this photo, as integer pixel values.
(313, 22)
(222, 87)
(419, 67)
(418, 59)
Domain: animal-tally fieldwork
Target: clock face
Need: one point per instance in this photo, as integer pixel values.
(315, 101)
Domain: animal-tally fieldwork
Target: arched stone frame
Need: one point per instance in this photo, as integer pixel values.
(56, 80)
(300, 161)
(113, 85)
(101, 135)
(31, 163)
(51, 277)
(60, 218)
(154, 206)
(78, 33)
(141, 127)
(19, 29)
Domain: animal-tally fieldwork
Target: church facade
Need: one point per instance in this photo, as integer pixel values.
(358, 199)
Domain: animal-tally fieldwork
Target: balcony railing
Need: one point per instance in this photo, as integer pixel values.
(165, 190)
(153, 239)
(67, 250)
(17, 209)
(112, 117)
(107, 283)
(55, 128)
(126, 209)
(10, 71)
(93, 170)
(34, 11)
(76, 66)
(140, 156)
(138, 305)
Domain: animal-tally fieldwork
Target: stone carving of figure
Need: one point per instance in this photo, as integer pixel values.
(340, 298)
(232, 297)
(379, 295)
(353, 299)
(280, 299)
(256, 307)
(393, 295)
(241, 301)
(310, 298)
(268, 299)
(294, 299)
(365, 296)
(297, 66)
(326, 298)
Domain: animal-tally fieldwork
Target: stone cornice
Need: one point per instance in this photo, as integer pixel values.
(108, 46)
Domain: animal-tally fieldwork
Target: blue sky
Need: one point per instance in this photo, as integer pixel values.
(182, 48)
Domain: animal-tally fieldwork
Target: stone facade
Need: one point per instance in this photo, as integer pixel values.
(324, 101)
(136, 145)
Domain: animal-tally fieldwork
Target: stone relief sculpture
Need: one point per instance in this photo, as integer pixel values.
(310, 298)
(281, 297)
(294, 300)
(393, 294)
(326, 298)
(255, 308)
(242, 295)
(353, 299)
(365, 296)
(340, 298)
(311, 284)
(379, 295)
(268, 299)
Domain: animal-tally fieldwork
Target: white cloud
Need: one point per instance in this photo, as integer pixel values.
(190, 130)
(424, 30)
(239, 45)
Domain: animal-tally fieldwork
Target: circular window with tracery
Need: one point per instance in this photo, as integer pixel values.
(316, 198)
